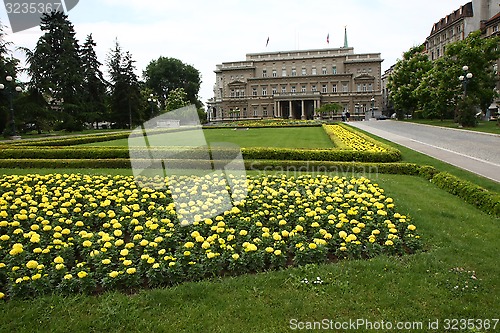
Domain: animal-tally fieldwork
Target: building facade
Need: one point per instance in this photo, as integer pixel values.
(458, 25)
(294, 84)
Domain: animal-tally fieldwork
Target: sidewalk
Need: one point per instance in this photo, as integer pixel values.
(461, 157)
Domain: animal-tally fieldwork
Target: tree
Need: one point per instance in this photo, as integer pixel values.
(94, 87)
(166, 74)
(55, 68)
(407, 75)
(176, 100)
(125, 100)
(8, 66)
(478, 54)
(330, 108)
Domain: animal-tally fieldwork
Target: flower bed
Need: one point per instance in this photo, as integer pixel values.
(80, 233)
(352, 140)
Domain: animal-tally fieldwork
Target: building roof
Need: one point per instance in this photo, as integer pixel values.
(464, 11)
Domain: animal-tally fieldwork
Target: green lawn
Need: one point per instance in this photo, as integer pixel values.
(422, 287)
(483, 126)
(300, 137)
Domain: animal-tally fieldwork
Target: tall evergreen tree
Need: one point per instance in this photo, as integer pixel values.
(8, 66)
(55, 68)
(94, 87)
(125, 100)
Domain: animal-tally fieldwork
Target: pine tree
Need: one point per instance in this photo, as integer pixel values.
(125, 101)
(55, 68)
(94, 87)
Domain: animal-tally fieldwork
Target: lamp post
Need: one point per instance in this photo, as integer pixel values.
(465, 78)
(9, 90)
(152, 101)
(373, 105)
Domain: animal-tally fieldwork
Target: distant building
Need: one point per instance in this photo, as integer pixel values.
(293, 84)
(458, 25)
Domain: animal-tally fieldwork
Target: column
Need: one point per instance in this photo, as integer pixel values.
(290, 113)
(303, 116)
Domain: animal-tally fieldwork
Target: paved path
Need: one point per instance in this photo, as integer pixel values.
(472, 151)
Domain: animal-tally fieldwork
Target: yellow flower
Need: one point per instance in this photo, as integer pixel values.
(269, 249)
(342, 234)
(113, 274)
(59, 267)
(2, 295)
(343, 248)
(124, 252)
(131, 270)
(277, 252)
(36, 277)
(210, 255)
(243, 232)
(82, 274)
(127, 262)
(205, 245)
(189, 245)
(389, 243)
(58, 260)
(411, 227)
(235, 256)
(87, 243)
(32, 264)
(106, 261)
(312, 246)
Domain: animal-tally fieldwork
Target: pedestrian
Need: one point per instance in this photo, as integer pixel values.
(343, 115)
(347, 115)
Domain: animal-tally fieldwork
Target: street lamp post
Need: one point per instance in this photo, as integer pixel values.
(373, 106)
(9, 90)
(151, 101)
(465, 78)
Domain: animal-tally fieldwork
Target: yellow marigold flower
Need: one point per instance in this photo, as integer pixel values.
(299, 228)
(4, 237)
(210, 255)
(59, 267)
(187, 253)
(411, 227)
(172, 263)
(143, 242)
(113, 274)
(200, 239)
(269, 249)
(87, 243)
(131, 270)
(277, 252)
(58, 260)
(127, 262)
(117, 232)
(124, 252)
(356, 230)
(106, 261)
(376, 232)
(243, 232)
(393, 230)
(189, 245)
(205, 245)
(36, 277)
(2, 295)
(342, 234)
(343, 248)
(32, 264)
(102, 215)
(235, 256)
(312, 246)
(389, 243)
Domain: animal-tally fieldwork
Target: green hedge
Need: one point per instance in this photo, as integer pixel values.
(193, 153)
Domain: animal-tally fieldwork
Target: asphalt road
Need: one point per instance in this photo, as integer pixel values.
(472, 151)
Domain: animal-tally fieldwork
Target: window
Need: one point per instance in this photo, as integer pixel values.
(232, 93)
(283, 72)
(323, 71)
(303, 89)
(334, 70)
(313, 88)
(264, 91)
(264, 73)
(264, 111)
(294, 72)
(275, 73)
(334, 89)
(324, 89)
(283, 89)
(345, 87)
(314, 71)
(275, 90)
(294, 89)
(255, 112)
(370, 87)
(304, 71)
(254, 91)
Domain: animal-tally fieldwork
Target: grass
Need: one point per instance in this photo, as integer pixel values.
(483, 126)
(413, 288)
(301, 137)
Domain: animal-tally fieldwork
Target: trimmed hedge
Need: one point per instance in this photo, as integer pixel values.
(193, 153)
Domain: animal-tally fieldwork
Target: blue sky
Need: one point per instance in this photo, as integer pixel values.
(205, 33)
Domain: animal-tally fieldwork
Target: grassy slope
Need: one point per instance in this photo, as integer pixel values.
(413, 288)
(301, 137)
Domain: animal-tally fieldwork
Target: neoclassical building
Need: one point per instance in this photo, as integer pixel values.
(293, 84)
